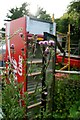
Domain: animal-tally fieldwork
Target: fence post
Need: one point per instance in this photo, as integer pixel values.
(44, 90)
(53, 80)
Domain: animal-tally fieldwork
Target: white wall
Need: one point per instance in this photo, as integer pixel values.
(35, 26)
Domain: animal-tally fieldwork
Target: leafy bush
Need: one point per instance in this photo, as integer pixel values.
(12, 101)
(67, 99)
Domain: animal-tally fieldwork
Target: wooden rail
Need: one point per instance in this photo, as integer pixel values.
(34, 74)
(57, 71)
(68, 72)
(31, 92)
(2, 68)
(34, 105)
(35, 62)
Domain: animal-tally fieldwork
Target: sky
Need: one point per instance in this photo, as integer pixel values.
(56, 7)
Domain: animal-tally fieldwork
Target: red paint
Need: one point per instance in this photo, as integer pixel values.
(18, 54)
(73, 61)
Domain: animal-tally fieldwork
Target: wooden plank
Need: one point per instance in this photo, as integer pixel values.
(35, 62)
(57, 71)
(74, 44)
(67, 72)
(2, 68)
(73, 48)
(31, 92)
(34, 74)
(34, 105)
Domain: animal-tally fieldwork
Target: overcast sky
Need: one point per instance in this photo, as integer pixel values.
(58, 7)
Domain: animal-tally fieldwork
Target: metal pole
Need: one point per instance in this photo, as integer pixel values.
(53, 72)
(44, 90)
(69, 47)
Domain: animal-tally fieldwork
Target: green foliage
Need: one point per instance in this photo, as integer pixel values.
(12, 101)
(74, 13)
(62, 25)
(75, 110)
(66, 100)
(72, 16)
(74, 7)
(15, 13)
(42, 14)
(67, 97)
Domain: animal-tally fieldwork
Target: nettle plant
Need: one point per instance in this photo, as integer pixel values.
(13, 102)
(49, 45)
(47, 48)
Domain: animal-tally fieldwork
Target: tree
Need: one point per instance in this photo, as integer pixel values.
(72, 16)
(74, 13)
(42, 14)
(62, 24)
(3, 35)
(15, 13)
(74, 7)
